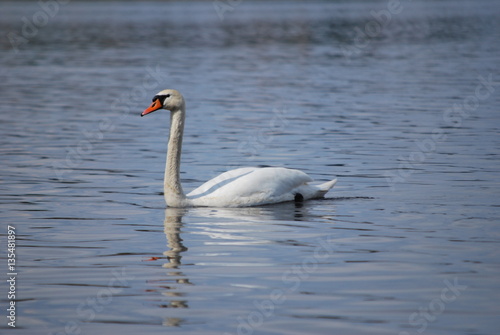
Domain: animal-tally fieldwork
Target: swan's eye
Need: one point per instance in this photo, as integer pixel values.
(161, 98)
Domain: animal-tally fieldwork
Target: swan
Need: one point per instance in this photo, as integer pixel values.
(242, 187)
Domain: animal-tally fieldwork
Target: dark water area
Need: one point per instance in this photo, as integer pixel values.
(400, 103)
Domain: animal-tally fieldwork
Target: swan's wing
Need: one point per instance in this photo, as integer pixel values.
(250, 186)
(275, 182)
(219, 181)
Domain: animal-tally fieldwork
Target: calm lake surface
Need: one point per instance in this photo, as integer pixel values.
(401, 104)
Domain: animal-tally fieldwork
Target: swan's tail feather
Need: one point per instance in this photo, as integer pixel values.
(328, 185)
(325, 187)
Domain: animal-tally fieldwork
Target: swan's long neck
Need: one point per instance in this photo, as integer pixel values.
(172, 188)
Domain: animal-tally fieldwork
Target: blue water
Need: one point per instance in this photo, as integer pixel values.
(401, 104)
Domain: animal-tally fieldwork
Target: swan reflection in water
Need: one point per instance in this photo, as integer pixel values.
(172, 227)
(220, 230)
(174, 277)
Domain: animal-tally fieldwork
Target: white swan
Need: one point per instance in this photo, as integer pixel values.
(242, 187)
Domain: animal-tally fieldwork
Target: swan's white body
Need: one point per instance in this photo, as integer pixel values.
(250, 186)
(254, 186)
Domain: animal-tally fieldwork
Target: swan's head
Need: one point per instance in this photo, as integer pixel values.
(171, 100)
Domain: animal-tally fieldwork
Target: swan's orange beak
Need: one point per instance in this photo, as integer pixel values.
(154, 106)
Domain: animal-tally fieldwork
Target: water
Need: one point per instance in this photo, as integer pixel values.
(407, 243)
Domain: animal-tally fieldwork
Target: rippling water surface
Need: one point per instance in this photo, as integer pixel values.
(403, 109)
